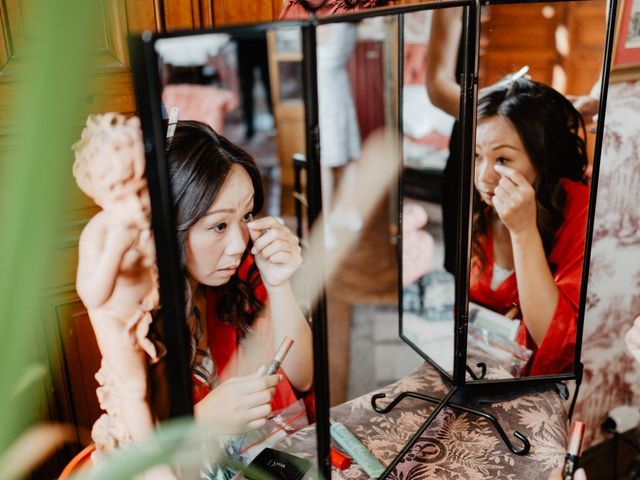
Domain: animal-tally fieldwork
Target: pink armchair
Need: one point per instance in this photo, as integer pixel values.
(199, 102)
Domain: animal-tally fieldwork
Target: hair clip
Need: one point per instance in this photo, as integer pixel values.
(171, 127)
(515, 76)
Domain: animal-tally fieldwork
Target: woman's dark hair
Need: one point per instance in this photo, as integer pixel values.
(199, 162)
(553, 134)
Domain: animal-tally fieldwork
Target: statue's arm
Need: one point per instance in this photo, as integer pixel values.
(100, 249)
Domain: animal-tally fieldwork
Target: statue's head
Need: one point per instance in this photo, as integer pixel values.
(110, 167)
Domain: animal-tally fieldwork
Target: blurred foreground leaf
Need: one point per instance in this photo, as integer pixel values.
(168, 442)
(31, 448)
(46, 115)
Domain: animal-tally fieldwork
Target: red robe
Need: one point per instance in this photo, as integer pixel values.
(225, 346)
(556, 352)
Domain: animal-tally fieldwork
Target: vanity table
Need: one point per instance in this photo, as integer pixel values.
(456, 445)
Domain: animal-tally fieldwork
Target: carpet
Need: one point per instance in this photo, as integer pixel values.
(378, 356)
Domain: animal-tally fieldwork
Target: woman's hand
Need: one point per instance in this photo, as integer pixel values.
(276, 249)
(633, 339)
(515, 201)
(239, 405)
(587, 105)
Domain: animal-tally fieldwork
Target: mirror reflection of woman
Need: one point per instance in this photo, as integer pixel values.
(530, 215)
(238, 274)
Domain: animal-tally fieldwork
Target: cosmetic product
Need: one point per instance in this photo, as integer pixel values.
(277, 465)
(573, 451)
(339, 459)
(356, 450)
(278, 358)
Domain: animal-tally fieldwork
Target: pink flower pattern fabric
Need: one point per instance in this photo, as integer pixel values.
(611, 374)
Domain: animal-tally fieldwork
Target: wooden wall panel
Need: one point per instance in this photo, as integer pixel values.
(5, 52)
(586, 29)
(497, 64)
(561, 42)
(228, 12)
(515, 37)
(186, 14)
(81, 361)
(114, 86)
(207, 13)
(74, 358)
(181, 14)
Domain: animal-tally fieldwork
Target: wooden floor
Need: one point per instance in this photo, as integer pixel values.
(369, 275)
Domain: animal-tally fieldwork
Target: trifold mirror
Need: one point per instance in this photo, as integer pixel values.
(492, 212)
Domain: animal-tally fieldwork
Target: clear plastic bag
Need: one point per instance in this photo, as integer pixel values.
(501, 351)
(281, 423)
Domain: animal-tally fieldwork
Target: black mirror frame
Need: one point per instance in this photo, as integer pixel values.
(604, 87)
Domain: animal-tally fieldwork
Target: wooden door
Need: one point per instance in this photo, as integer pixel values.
(288, 111)
(513, 37)
(586, 25)
(65, 340)
(229, 12)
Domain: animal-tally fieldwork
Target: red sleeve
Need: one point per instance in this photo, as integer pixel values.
(556, 352)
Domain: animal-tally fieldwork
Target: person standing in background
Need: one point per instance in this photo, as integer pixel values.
(443, 65)
(252, 53)
(339, 131)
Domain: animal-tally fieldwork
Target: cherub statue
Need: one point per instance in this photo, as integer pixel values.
(117, 277)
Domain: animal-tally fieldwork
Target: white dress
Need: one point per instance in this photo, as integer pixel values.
(339, 132)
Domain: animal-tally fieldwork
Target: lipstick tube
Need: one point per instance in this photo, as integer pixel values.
(573, 451)
(278, 358)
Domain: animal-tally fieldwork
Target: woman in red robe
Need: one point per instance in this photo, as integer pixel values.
(240, 304)
(530, 215)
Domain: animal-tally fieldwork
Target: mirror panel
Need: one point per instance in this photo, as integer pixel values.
(429, 210)
(358, 78)
(525, 287)
(247, 85)
(382, 62)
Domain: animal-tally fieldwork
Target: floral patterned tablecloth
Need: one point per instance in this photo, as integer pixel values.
(457, 445)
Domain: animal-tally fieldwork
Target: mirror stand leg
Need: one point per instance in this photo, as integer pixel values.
(579, 371)
(441, 404)
(483, 371)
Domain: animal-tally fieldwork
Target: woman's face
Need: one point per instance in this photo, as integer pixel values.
(498, 143)
(215, 244)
